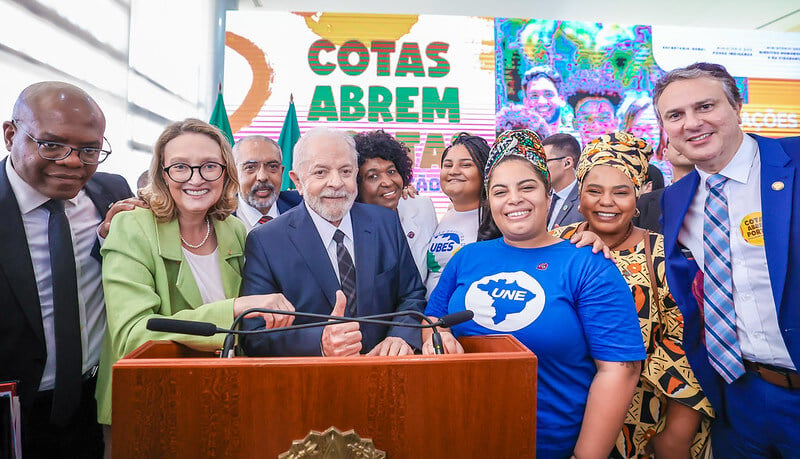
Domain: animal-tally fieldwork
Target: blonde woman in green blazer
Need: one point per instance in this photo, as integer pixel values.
(180, 258)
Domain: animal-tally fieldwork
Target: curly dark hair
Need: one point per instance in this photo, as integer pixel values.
(379, 144)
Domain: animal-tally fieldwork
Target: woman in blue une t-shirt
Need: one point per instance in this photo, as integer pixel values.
(571, 307)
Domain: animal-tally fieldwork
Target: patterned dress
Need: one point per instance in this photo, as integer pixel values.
(666, 372)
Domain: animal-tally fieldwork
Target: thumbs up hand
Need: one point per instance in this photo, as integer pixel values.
(343, 339)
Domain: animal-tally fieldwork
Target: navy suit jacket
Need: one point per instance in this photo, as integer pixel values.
(781, 226)
(22, 344)
(568, 214)
(288, 199)
(287, 256)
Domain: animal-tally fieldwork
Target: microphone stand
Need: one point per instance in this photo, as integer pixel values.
(230, 338)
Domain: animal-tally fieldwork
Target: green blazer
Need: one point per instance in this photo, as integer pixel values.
(145, 275)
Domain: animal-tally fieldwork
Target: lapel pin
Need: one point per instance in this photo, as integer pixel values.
(564, 208)
(410, 235)
(777, 186)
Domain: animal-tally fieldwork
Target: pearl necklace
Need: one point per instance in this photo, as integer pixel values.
(208, 233)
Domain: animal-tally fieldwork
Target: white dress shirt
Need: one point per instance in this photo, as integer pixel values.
(326, 230)
(561, 198)
(756, 315)
(250, 215)
(83, 221)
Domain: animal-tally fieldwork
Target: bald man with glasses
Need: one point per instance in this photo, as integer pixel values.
(54, 206)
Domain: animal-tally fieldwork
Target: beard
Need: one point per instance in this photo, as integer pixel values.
(332, 212)
(262, 204)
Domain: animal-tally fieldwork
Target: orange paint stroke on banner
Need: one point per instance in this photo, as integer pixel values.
(259, 90)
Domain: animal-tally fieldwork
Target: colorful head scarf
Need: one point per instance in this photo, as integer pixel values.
(620, 150)
(523, 143)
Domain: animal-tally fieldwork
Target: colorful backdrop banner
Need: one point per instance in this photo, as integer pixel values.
(424, 78)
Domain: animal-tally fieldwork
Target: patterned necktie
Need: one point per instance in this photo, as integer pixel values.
(263, 219)
(347, 272)
(67, 392)
(720, 317)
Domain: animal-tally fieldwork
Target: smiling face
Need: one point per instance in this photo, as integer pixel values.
(196, 196)
(607, 201)
(594, 116)
(58, 113)
(461, 179)
(542, 97)
(260, 173)
(700, 122)
(380, 184)
(327, 179)
(519, 201)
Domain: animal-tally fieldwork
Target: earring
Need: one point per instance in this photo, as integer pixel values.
(636, 212)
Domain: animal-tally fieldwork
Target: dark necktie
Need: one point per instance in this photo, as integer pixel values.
(347, 272)
(67, 393)
(553, 202)
(263, 219)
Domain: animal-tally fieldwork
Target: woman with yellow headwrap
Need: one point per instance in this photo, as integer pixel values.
(669, 415)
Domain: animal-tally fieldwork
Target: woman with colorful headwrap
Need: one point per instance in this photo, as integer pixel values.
(569, 306)
(669, 407)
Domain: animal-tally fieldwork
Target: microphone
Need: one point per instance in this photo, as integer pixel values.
(455, 318)
(184, 327)
(188, 327)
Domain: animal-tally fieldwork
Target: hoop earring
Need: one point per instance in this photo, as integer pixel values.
(636, 212)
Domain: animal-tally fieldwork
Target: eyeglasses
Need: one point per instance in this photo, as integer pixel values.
(55, 151)
(182, 172)
(253, 167)
(555, 159)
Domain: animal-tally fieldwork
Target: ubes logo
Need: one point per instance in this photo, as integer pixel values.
(445, 242)
(505, 302)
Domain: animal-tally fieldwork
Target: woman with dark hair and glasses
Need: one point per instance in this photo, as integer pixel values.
(180, 258)
(461, 178)
(384, 170)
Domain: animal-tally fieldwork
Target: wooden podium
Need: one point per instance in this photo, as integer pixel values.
(172, 401)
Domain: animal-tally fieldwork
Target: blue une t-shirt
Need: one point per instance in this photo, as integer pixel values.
(566, 304)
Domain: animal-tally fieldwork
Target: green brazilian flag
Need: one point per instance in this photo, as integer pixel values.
(219, 118)
(290, 134)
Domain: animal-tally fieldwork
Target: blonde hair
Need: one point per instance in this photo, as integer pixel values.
(157, 194)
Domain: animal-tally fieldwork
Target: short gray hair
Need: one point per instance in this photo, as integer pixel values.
(301, 153)
(257, 138)
(699, 70)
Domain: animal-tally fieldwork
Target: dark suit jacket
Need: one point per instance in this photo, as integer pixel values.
(288, 199)
(781, 225)
(22, 343)
(568, 213)
(649, 205)
(288, 256)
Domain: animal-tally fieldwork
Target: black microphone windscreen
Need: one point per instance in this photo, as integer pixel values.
(184, 327)
(456, 318)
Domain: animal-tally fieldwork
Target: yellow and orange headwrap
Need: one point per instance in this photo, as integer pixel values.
(620, 150)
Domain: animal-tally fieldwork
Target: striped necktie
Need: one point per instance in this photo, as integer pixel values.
(263, 219)
(722, 344)
(347, 272)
